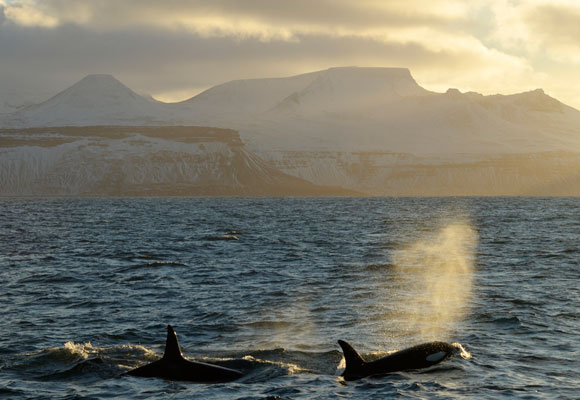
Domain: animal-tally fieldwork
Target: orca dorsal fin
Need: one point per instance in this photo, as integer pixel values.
(353, 360)
(172, 350)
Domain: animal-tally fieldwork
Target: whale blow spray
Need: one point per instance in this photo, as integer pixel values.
(435, 276)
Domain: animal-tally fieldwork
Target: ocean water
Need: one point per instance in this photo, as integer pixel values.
(268, 285)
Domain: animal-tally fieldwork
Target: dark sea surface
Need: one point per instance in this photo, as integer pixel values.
(268, 285)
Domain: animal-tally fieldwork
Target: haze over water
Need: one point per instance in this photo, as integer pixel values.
(268, 285)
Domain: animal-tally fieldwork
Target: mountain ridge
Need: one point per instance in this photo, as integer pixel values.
(107, 101)
(358, 128)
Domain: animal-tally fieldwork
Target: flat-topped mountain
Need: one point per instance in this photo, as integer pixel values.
(351, 90)
(322, 88)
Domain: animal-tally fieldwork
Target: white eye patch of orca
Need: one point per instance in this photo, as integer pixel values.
(436, 356)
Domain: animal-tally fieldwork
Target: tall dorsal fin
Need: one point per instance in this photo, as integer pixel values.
(353, 360)
(172, 349)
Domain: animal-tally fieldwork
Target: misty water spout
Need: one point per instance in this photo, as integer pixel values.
(435, 276)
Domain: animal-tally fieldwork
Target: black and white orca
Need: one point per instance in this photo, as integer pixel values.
(173, 366)
(416, 357)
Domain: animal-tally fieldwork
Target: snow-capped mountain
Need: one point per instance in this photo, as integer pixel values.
(94, 100)
(354, 91)
(358, 128)
(242, 98)
(377, 131)
(8, 107)
(339, 109)
(369, 109)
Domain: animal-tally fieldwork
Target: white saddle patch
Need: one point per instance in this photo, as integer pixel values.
(436, 356)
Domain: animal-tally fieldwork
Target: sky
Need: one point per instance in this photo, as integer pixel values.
(174, 49)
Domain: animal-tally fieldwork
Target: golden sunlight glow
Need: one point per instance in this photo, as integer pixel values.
(175, 96)
(26, 13)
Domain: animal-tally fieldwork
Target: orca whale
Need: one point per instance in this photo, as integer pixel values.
(420, 356)
(173, 366)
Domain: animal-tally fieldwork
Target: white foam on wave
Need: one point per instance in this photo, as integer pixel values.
(83, 350)
(462, 352)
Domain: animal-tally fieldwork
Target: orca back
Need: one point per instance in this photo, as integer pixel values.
(416, 357)
(173, 366)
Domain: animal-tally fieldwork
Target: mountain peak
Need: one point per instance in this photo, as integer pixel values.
(98, 99)
(98, 88)
(374, 79)
(538, 100)
(336, 90)
(100, 83)
(99, 77)
(381, 73)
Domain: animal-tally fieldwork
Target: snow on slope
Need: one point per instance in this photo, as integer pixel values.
(339, 109)
(15, 99)
(242, 98)
(351, 90)
(94, 100)
(7, 107)
(138, 161)
(352, 127)
(395, 114)
(370, 109)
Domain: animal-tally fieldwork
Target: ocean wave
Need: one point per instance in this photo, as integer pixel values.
(224, 237)
(268, 324)
(119, 290)
(10, 393)
(90, 369)
(153, 264)
(50, 278)
(85, 362)
(466, 355)
(378, 267)
(507, 322)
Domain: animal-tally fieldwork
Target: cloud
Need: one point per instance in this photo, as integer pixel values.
(175, 47)
(265, 20)
(437, 25)
(28, 13)
(174, 63)
(535, 26)
(557, 23)
(545, 34)
(557, 28)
